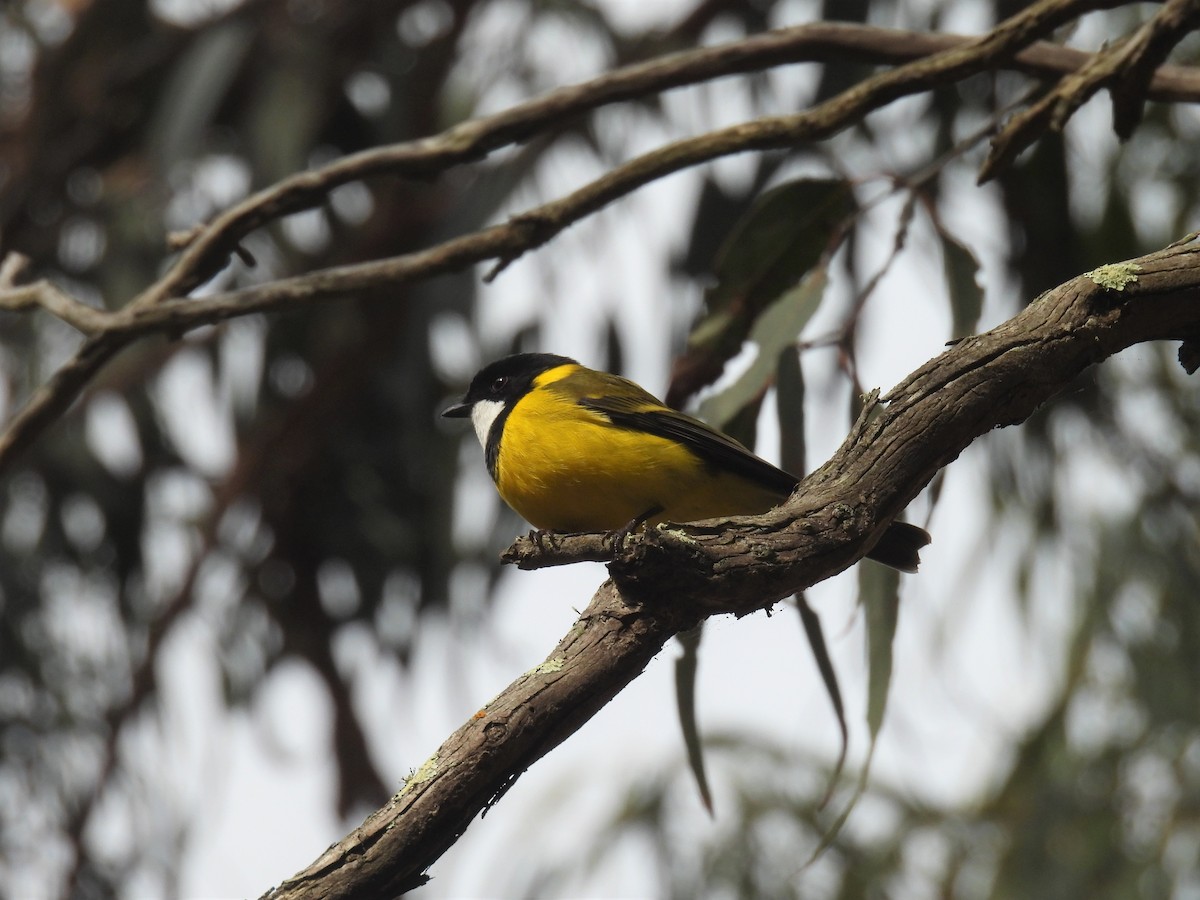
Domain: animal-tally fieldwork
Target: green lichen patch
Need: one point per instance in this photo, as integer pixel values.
(678, 534)
(1115, 276)
(554, 664)
(428, 769)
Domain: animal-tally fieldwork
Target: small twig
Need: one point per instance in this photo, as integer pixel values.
(545, 549)
(47, 295)
(12, 267)
(1124, 67)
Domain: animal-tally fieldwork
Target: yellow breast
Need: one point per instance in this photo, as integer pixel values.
(567, 468)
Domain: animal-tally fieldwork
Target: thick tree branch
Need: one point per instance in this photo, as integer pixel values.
(669, 579)
(163, 307)
(994, 379)
(606, 648)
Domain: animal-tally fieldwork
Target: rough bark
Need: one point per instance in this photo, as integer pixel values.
(670, 578)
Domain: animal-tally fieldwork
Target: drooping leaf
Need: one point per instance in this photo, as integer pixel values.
(966, 296)
(789, 402)
(783, 237)
(685, 700)
(713, 205)
(816, 640)
(786, 234)
(774, 330)
(195, 89)
(879, 595)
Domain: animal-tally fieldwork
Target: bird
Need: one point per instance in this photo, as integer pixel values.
(575, 450)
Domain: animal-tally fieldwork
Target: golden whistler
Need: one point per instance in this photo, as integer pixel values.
(572, 449)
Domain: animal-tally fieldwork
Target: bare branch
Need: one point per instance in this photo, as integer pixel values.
(55, 397)
(50, 297)
(1124, 67)
(669, 579)
(209, 247)
(162, 307)
(1149, 49)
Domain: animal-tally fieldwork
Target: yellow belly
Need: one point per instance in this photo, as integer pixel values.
(562, 472)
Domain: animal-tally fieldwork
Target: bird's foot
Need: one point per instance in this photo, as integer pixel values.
(633, 525)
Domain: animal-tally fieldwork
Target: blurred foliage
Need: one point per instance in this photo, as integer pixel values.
(283, 480)
(321, 500)
(767, 832)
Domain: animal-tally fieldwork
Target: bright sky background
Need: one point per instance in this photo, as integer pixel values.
(968, 677)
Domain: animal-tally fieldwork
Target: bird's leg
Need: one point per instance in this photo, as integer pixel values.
(542, 537)
(636, 522)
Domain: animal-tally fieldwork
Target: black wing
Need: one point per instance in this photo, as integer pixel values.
(632, 407)
(643, 412)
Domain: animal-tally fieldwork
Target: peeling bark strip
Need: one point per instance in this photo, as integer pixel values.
(670, 579)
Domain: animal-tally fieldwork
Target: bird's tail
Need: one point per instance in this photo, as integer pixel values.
(900, 546)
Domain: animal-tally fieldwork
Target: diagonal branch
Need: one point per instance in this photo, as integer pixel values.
(209, 246)
(669, 579)
(52, 399)
(1125, 67)
(163, 307)
(1150, 48)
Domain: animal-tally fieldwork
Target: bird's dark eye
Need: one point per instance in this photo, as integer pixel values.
(499, 383)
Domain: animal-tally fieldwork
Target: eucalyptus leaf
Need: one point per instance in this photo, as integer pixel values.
(789, 403)
(788, 234)
(879, 595)
(966, 296)
(197, 86)
(685, 699)
(816, 640)
(783, 237)
(777, 328)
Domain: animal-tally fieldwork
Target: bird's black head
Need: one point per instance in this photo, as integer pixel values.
(505, 380)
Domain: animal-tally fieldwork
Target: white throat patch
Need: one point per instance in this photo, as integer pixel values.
(483, 415)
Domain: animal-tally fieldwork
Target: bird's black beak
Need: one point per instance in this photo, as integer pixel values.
(457, 411)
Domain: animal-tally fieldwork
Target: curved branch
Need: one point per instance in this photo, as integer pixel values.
(1151, 46)
(209, 246)
(154, 310)
(984, 382)
(669, 579)
(1124, 67)
(47, 295)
